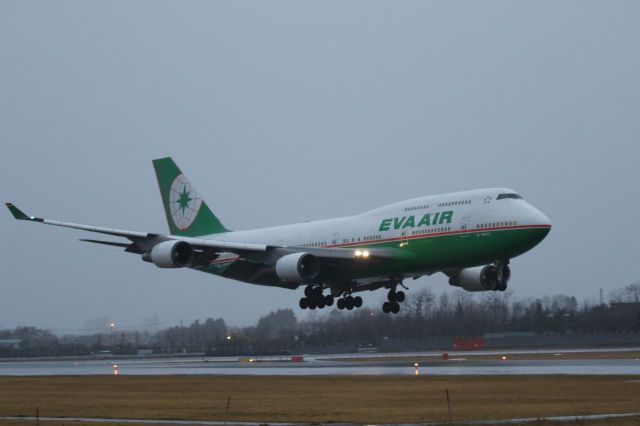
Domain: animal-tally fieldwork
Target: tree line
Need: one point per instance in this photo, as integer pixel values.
(423, 315)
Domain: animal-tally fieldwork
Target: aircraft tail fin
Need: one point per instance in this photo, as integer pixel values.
(187, 214)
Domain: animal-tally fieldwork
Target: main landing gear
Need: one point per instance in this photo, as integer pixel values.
(314, 298)
(394, 299)
(349, 302)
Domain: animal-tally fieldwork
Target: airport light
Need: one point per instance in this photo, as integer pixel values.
(228, 337)
(112, 326)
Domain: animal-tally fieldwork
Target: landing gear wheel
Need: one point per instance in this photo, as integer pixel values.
(315, 296)
(357, 302)
(312, 305)
(341, 304)
(386, 307)
(395, 308)
(328, 300)
(304, 303)
(308, 291)
(399, 296)
(391, 296)
(349, 303)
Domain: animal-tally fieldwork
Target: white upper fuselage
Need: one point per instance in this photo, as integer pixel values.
(472, 209)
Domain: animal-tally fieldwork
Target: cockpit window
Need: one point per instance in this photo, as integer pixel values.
(514, 196)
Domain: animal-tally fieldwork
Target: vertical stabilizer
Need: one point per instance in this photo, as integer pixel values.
(187, 214)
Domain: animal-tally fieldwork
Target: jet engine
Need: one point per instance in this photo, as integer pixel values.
(482, 278)
(297, 267)
(170, 254)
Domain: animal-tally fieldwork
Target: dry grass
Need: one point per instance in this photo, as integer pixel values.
(358, 399)
(627, 421)
(74, 423)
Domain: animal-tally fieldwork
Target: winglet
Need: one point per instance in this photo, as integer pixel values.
(19, 214)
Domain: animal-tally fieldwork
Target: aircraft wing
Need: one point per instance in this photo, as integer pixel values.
(142, 242)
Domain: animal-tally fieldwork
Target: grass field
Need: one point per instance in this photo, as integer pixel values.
(628, 421)
(358, 399)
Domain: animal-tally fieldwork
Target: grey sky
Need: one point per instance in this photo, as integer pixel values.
(288, 111)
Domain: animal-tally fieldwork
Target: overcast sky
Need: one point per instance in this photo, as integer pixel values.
(282, 112)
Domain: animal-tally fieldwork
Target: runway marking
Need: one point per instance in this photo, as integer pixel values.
(222, 423)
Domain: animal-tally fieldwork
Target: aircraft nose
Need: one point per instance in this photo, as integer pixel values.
(539, 221)
(540, 218)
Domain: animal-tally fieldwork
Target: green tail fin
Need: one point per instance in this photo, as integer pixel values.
(187, 214)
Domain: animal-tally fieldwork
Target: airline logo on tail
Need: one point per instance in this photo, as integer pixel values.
(187, 214)
(184, 201)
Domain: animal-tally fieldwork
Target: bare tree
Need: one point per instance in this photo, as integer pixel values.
(628, 294)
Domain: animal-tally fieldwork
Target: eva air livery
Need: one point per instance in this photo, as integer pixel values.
(469, 236)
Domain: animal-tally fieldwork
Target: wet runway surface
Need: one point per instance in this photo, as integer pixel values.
(457, 365)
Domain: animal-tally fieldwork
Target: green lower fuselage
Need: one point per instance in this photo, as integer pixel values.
(426, 235)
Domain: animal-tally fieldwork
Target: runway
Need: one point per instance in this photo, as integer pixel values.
(458, 364)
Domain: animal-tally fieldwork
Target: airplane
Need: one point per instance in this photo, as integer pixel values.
(470, 236)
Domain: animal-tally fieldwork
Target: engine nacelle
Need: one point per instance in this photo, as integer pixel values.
(297, 267)
(170, 254)
(481, 278)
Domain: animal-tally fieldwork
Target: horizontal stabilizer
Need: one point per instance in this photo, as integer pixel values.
(106, 243)
(128, 247)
